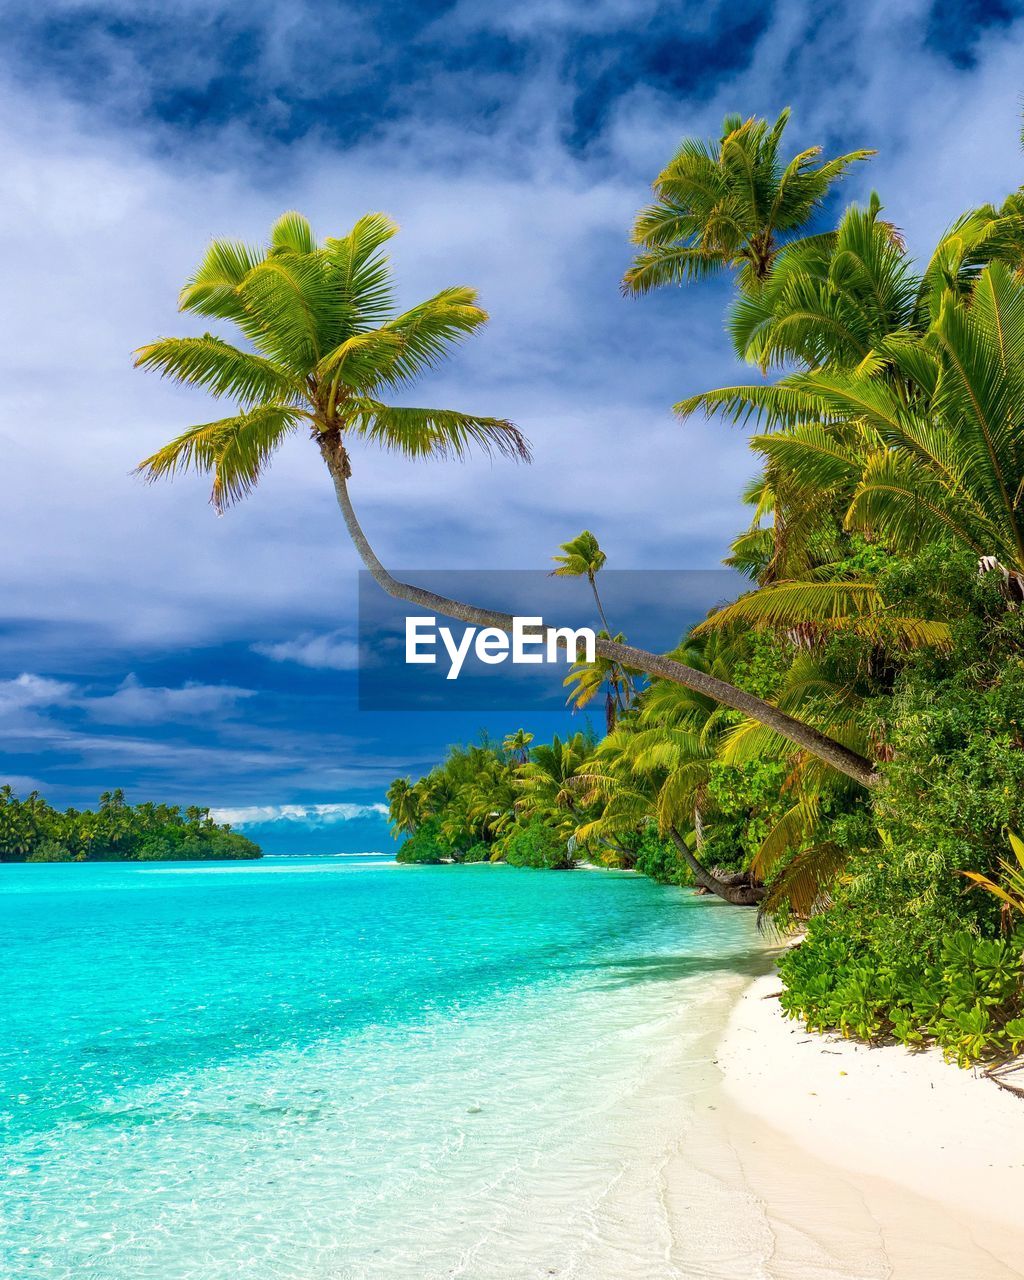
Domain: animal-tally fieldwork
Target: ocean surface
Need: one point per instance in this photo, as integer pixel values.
(341, 1068)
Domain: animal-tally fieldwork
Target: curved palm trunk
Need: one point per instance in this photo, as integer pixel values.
(802, 735)
(597, 600)
(742, 894)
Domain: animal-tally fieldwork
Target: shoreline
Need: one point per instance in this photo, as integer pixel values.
(882, 1161)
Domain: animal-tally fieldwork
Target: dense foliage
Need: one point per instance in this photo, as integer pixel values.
(842, 744)
(886, 561)
(33, 831)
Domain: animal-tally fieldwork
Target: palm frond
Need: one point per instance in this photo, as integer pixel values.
(434, 433)
(233, 451)
(855, 606)
(802, 886)
(428, 332)
(212, 290)
(219, 367)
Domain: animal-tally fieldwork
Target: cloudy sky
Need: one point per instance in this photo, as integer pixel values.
(143, 641)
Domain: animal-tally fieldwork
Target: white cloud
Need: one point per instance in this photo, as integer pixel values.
(131, 703)
(312, 815)
(329, 651)
(135, 703)
(28, 692)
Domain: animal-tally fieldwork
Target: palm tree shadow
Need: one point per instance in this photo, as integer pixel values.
(630, 971)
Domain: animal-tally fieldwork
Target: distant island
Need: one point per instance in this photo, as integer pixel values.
(31, 830)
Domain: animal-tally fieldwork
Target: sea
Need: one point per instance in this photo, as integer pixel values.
(341, 1068)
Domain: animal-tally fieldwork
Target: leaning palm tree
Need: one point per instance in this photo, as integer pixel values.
(729, 204)
(325, 348)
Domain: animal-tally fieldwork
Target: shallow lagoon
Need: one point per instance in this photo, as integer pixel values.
(339, 1067)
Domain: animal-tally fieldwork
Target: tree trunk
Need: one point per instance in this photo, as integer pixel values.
(600, 606)
(802, 735)
(740, 895)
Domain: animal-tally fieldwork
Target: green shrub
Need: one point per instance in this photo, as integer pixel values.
(426, 844)
(48, 850)
(964, 993)
(536, 845)
(658, 858)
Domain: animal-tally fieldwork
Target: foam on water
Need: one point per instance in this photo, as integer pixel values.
(348, 1070)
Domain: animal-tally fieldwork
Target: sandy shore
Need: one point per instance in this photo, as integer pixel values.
(870, 1162)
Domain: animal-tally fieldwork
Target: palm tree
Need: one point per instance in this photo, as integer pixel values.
(658, 767)
(729, 204)
(545, 783)
(327, 347)
(582, 557)
(831, 302)
(924, 436)
(517, 745)
(586, 680)
(403, 806)
(829, 299)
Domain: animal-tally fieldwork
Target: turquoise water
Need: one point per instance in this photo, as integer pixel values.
(331, 1067)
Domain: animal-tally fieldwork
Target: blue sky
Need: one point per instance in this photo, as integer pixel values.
(143, 641)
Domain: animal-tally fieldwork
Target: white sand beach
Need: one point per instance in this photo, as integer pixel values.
(870, 1161)
(753, 1150)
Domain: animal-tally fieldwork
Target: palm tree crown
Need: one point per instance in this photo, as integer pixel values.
(728, 204)
(324, 347)
(923, 438)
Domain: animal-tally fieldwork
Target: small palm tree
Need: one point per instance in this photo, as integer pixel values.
(517, 745)
(729, 204)
(586, 680)
(403, 806)
(582, 557)
(327, 345)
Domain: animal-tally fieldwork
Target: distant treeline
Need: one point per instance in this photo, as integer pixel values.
(31, 830)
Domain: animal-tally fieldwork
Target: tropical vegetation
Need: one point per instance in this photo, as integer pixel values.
(33, 831)
(842, 747)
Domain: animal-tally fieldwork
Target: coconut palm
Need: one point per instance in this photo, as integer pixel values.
(729, 204)
(517, 745)
(656, 767)
(403, 806)
(586, 680)
(829, 302)
(829, 299)
(327, 347)
(544, 784)
(925, 434)
(582, 557)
